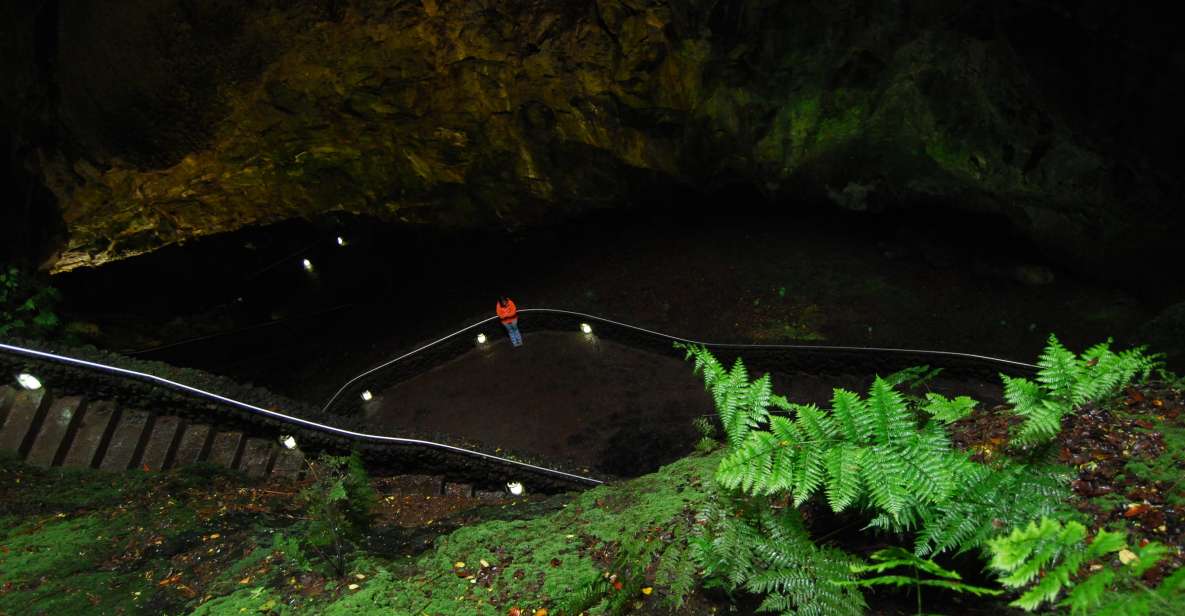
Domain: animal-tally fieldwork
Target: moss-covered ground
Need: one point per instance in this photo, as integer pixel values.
(206, 541)
(202, 540)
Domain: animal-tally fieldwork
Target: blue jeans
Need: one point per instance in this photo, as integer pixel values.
(516, 337)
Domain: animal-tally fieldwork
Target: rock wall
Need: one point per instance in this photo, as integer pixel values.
(180, 119)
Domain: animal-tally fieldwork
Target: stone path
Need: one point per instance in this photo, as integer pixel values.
(48, 430)
(71, 431)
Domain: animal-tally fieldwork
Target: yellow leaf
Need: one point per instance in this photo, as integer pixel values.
(646, 591)
(460, 564)
(1127, 556)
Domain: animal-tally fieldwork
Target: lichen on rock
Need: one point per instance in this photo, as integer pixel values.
(466, 113)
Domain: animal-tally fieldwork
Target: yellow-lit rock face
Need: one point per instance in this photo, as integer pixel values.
(470, 113)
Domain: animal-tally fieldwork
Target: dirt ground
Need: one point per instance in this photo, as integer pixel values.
(583, 399)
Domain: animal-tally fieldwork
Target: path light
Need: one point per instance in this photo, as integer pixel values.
(481, 338)
(308, 265)
(366, 395)
(515, 488)
(28, 381)
(586, 328)
(341, 241)
(288, 442)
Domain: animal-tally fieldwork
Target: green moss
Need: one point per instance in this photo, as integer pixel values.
(245, 601)
(534, 562)
(101, 592)
(57, 548)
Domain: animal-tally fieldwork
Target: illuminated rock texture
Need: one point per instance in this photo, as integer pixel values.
(181, 119)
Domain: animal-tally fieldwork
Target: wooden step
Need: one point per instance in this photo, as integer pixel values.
(226, 449)
(7, 393)
(257, 456)
(25, 414)
(289, 464)
(61, 420)
(93, 436)
(162, 442)
(194, 445)
(127, 442)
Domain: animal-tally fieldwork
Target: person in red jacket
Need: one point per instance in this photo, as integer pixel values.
(509, 315)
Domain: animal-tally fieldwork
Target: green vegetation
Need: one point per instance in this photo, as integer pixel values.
(1050, 554)
(888, 459)
(1066, 382)
(797, 508)
(339, 502)
(27, 308)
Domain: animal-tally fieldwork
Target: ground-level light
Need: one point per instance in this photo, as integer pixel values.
(341, 241)
(308, 265)
(515, 488)
(586, 328)
(481, 338)
(28, 381)
(366, 395)
(288, 442)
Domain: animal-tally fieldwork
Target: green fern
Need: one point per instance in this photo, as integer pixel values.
(892, 558)
(988, 499)
(864, 451)
(1046, 558)
(1066, 382)
(770, 553)
(946, 410)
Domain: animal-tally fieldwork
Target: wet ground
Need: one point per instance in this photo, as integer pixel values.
(594, 403)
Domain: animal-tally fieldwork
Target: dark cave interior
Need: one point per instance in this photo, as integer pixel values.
(287, 193)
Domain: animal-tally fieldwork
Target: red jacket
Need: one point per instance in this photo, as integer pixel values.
(508, 313)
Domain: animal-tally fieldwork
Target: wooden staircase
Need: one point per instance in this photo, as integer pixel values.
(71, 431)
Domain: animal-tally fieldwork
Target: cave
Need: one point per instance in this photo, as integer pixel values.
(232, 227)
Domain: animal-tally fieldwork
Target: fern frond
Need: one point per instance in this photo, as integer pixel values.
(1059, 369)
(851, 415)
(1056, 552)
(890, 415)
(946, 410)
(843, 476)
(880, 471)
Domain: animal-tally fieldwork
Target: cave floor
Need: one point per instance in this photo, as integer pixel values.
(593, 403)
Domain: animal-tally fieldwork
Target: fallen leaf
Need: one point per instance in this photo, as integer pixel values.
(515, 611)
(353, 587)
(459, 564)
(646, 591)
(1135, 509)
(1127, 556)
(484, 564)
(541, 612)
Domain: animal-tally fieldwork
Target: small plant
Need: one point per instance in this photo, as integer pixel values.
(339, 502)
(1066, 382)
(898, 558)
(747, 544)
(913, 377)
(26, 308)
(1054, 555)
(707, 431)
